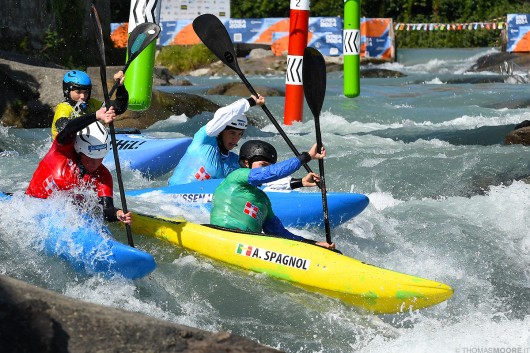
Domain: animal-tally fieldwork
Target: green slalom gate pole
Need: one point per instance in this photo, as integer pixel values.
(139, 78)
(352, 47)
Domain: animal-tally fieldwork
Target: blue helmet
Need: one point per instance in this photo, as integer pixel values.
(76, 79)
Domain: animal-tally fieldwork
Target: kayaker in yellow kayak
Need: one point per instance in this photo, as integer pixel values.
(239, 203)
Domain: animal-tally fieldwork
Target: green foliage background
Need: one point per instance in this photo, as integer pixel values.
(401, 11)
(408, 11)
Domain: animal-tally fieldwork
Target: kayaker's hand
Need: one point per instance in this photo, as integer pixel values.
(317, 154)
(119, 76)
(106, 116)
(260, 100)
(311, 179)
(124, 217)
(325, 244)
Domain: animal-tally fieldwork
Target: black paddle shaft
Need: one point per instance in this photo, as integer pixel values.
(103, 73)
(314, 76)
(214, 35)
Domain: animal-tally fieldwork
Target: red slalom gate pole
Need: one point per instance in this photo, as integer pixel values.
(298, 33)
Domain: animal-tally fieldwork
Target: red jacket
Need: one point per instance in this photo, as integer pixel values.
(59, 170)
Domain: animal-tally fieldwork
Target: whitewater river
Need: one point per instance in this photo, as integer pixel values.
(446, 204)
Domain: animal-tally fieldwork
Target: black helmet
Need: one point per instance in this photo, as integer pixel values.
(256, 150)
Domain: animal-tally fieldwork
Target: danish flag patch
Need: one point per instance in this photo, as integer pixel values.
(202, 174)
(251, 210)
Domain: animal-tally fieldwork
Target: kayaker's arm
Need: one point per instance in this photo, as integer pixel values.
(273, 172)
(111, 213)
(121, 103)
(275, 226)
(223, 115)
(70, 130)
(73, 126)
(289, 183)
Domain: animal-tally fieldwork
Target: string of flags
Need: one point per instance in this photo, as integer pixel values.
(499, 23)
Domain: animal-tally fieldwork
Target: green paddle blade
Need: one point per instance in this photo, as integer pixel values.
(140, 37)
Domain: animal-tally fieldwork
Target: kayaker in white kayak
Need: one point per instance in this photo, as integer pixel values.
(75, 160)
(239, 203)
(77, 89)
(209, 155)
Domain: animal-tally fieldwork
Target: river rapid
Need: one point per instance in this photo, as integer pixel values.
(446, 203)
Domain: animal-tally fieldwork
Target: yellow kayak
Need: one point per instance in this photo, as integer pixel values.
(312, 267)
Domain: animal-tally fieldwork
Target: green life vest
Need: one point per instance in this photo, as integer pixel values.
(239, 205)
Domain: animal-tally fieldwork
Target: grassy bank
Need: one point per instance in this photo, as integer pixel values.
(179, 58)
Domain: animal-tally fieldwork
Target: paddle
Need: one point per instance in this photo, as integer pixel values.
(214, 35)
(139, 39)
(314, 78)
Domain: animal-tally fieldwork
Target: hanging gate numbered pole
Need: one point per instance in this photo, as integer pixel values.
(298, 32)
(139, 78)
(351, 45)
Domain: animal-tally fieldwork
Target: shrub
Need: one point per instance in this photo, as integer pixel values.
(179, 58)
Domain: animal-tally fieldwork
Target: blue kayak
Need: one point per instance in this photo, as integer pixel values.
(151, 156)
(294, 208)
(90, 248)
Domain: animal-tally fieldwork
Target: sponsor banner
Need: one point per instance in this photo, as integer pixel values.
(377, 39)
(518, 33)
(172, 10)
(192, 198)
(325, 34)
(128, 144)
(273, 256)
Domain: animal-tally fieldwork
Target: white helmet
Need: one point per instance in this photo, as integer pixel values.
(238, 122)
(93, 141)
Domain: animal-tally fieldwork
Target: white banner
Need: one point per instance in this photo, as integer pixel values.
(173, 10)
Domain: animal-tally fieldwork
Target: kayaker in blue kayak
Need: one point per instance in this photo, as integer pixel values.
(75, 160)
(239, 203)
(77, 89)
(209, 155)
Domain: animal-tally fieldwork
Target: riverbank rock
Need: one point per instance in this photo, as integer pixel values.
(30, 93)
(37, 320)
(495, 61)
(519, 135)
(241, 90)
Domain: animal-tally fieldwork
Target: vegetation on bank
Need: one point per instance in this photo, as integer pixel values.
(179, 58)
(401, 11)
(408, 11)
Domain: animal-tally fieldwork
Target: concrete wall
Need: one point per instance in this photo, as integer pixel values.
(31, 19)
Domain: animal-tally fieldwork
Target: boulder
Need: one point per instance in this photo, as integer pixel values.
(163, 105)
(239, 89)
(38, 320)
(496, 62)
(518, 136)
(30, 94)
